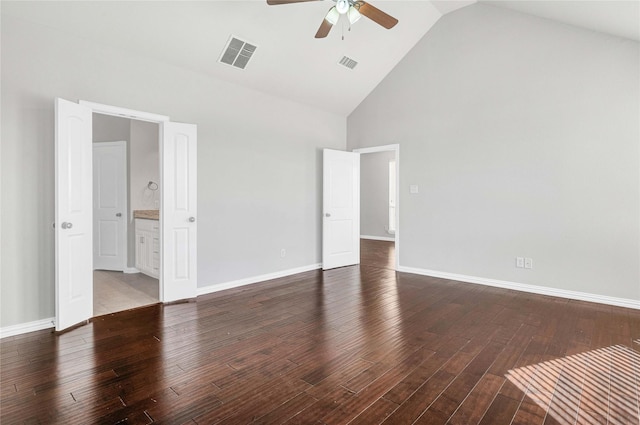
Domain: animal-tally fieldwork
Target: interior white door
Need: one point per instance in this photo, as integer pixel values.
(178, 237)
(341, 209)
(73, 214)
(110, 206)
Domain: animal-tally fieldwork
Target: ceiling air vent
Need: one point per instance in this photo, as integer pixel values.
(348, 62)
(237, 53)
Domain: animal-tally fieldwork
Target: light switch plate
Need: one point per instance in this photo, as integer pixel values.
(413, 188)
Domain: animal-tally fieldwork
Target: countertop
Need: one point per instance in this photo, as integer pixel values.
(147, 214)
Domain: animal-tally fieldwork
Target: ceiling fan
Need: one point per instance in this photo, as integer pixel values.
(353, 9)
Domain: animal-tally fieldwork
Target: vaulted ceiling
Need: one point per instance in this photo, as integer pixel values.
(289, 62)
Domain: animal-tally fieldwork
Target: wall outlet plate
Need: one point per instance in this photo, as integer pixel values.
(528, 263)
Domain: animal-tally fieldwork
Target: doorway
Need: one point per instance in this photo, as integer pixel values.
(378, 207)
(123, 172)
(341, 205)
(74, 208)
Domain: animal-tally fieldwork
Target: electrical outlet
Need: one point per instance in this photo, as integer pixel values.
(520, 262)
(283, 253)
(528, 263)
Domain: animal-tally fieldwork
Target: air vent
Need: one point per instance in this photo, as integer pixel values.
(348, 62)
(237, 53)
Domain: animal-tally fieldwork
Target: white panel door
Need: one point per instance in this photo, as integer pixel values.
(110, 206)
(341, 209)
(179, 227)
(73, 214)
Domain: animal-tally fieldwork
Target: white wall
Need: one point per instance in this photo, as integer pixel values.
(258, 160)
(523, 136)
(374, 193)
(110, 129)
(145, 165)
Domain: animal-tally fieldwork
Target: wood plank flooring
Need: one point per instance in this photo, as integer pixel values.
(379, 254)
(355, 345)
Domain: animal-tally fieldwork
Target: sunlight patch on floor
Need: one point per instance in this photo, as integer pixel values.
(594, 387)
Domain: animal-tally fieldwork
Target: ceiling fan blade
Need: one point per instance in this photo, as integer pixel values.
(276, 2)
(377, 15)
(324, 29)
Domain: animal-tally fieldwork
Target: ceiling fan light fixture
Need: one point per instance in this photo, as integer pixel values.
(342, 6)
(332, 16)
(353, 15)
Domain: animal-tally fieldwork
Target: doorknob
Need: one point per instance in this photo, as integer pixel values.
(327, 215)
(118, 214)
(66, 225)
(192, 219)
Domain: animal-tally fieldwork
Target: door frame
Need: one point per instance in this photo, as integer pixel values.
(125, 242)
(186, 136)
(116, 111)
(390, 148)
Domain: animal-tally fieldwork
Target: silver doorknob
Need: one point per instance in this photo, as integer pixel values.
(118, 214)
(192, 219)
(327, 215)
(66, 225)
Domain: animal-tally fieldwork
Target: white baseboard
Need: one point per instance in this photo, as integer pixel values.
(255, 279)
(48, 323)
(574, 295)
(378, 238)
(23, 328)
(130, 270)
(543, 290)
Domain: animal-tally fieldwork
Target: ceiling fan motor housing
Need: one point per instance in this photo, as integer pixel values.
(342, 6)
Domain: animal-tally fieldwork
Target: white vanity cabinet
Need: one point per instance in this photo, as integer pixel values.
(147, 246)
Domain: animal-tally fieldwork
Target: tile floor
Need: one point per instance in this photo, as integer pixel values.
(117, 291)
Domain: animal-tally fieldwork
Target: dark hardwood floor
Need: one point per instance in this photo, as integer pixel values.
(357, 345)
(380, 254)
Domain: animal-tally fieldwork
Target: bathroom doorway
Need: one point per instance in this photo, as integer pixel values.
(73, 225)
(126, 171)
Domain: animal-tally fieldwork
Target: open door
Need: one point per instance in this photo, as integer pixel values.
(179, 208)
(73, 214)
(341, 205)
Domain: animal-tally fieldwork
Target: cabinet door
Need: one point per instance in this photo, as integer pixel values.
(137, 245)
(149, 254)
(147, 248)
(141, 252)
(154, 260)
